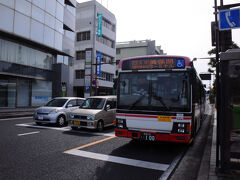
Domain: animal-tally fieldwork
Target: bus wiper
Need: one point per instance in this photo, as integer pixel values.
(137, 101)
(159, 98)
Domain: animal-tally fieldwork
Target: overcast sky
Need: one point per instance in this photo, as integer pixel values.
(180, 27)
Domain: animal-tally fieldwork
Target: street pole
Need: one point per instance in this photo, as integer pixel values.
(217, 80)
(93, 49)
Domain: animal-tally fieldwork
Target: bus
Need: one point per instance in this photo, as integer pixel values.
(159, 98)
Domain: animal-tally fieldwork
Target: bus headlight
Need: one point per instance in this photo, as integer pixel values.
(181, 128)
(121, 123)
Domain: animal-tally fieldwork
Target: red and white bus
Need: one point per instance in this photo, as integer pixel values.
(159, 98)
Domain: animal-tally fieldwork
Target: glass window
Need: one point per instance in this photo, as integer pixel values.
(59, 26)
(41, 92)
(6, 25)
(23, 6)
(69, 34)
(61, 1)
(155, 91)
(56, 103)
(23, 91)
(93, 103)
(73, 102)
(80, 102)
(16, 53)
(36, 31)
(58, 41)
(39, 3)
(7, 93)
(80, 74)
(83, 36)
(9, 3)
(80, 55)
(72, 10)
(106, 41)
(22, 25)
(49, 20)
(59, 12)
(37, 13)
(51, 7)
(3, 93)
(48, 36)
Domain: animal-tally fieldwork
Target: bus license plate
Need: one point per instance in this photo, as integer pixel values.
(147, 136)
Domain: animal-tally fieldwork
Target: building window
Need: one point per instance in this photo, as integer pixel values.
(106, 23)
(16, 53)
(118, 51)
(106, 76)
(106, 59)
(83, 36)
(104, 40)
(80, 74)
(80, 55)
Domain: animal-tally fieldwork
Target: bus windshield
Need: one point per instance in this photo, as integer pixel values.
(154, 91)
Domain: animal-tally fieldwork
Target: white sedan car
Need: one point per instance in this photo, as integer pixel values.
(55, 111)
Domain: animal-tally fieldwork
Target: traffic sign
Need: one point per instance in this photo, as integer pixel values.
(229, 19)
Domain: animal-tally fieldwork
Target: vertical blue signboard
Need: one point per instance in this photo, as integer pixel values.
(99, 61)
(99, 27)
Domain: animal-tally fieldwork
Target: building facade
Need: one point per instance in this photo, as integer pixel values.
(136, 48)
(36, 46)
(95, 50)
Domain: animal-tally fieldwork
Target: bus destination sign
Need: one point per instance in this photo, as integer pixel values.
(161, 63)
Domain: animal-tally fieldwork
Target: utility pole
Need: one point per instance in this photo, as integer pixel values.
(93, 49)
(217, 80)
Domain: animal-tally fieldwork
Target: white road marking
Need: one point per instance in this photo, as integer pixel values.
(29, 133)
(171, 167)
(120, 160)
(10, 119)
(63, 129)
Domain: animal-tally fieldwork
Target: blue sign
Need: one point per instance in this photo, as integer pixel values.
(99, 61)
(229, 19)
(99, 27)
(180, 63)
(87, 88)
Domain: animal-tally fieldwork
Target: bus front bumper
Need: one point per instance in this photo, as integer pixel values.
(179, 138)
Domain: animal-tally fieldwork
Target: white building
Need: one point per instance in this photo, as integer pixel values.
(88, 45)
(34, 36)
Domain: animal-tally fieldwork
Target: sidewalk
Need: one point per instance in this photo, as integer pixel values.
(199, 162)
(16, 112)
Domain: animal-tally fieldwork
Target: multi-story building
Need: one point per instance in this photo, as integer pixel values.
(136, 48)
(36, 43)
(95, 39)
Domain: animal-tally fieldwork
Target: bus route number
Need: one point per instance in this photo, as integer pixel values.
(147, 136)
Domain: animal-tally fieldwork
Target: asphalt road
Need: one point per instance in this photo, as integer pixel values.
(31, 152)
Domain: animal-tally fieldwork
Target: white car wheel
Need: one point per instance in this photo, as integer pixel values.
(61, 121)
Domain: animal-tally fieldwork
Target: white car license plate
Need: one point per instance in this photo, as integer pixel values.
(40, 117)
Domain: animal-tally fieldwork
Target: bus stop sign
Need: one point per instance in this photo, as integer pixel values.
(229, 19)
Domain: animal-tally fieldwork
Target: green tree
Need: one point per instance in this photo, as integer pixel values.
(212, 64)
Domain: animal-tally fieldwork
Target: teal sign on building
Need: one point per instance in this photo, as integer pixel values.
(99, 27)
